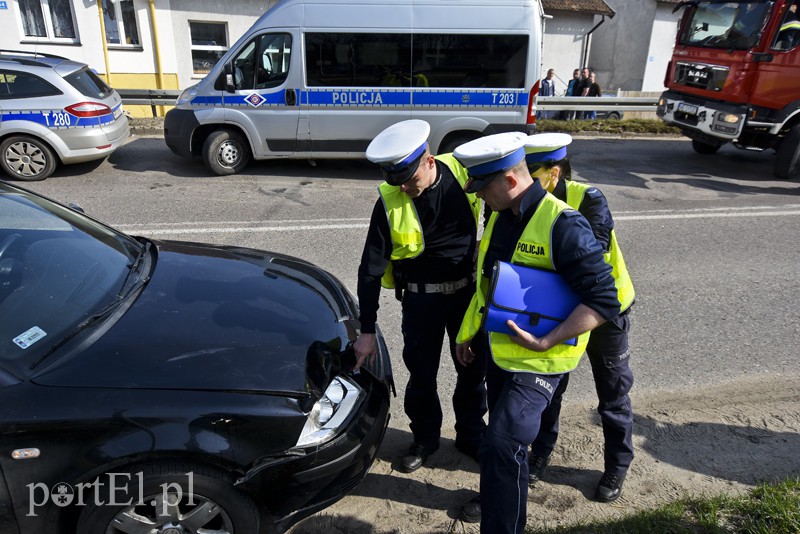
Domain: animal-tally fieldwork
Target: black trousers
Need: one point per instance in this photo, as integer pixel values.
(426, 318)
(609, 354)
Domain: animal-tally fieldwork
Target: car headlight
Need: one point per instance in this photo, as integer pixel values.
(187, 95)
(331, 412)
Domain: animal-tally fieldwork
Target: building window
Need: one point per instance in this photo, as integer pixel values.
(50, 20)
(209, 43)
(120, 21)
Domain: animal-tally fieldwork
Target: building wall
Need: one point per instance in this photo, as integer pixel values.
(620, 46)
(562, 49)
(662, 42)
(238, 17)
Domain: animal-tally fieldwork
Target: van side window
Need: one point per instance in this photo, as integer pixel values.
(418, 60)
(358, 59)
(492, 61)
(788, 36)
(22, 85)
(264, 62)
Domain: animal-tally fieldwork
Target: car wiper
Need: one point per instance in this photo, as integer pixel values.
(108, 309)
(81, 326)
(134, 268)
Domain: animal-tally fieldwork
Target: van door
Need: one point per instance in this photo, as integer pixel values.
(357, 85)
(265, 101)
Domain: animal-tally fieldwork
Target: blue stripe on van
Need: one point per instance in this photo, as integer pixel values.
(376, 98)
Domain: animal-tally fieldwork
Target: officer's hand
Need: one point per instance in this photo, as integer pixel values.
(526, 339)
(464, 353)
(366, 346)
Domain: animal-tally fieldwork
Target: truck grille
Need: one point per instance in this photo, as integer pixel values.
(700, 76)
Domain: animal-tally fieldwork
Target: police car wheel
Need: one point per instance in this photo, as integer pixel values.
(225, 152)
(788, 156)
(168, 498)
(26, 158)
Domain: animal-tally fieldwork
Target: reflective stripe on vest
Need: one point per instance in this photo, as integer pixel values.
(405, 227)
(622, 280)
(533, 249)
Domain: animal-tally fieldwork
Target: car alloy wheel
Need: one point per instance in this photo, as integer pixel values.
(172, 513)
(26, 158)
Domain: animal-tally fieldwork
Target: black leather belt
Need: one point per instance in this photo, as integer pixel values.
(446, 288)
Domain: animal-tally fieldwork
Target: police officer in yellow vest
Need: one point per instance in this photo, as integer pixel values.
(608, 349)
(528, 227)
(421, 242)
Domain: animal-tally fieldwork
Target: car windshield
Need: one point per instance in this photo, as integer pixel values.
(727, 25)
(58, 270)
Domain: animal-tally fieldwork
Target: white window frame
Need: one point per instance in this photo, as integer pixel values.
(121, 26)
(48, 26)
(217, 48)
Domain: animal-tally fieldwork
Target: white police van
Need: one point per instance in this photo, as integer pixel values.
(321, 78)
(53, 110)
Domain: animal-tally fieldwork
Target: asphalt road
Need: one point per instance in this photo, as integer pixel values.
(710, 241)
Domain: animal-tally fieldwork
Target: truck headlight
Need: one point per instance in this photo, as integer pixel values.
(331, 412)
(187, 95)
(729, 118)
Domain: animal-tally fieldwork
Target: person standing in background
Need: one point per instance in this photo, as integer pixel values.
(594, 90)
(547, 88)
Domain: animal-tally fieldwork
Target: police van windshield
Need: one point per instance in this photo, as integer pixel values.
(727, 25)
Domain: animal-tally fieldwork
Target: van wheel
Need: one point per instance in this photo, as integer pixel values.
(226, 152)
(26, 158)
(788, 153)
(449, 145)
(704, 148)
(169, 497)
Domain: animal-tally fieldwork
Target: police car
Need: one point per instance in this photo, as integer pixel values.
(53, 110)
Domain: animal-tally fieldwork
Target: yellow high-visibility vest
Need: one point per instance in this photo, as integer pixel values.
(622, 280)
(534, 249)
(405, 227)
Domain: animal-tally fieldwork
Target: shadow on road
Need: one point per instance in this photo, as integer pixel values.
(745, 454)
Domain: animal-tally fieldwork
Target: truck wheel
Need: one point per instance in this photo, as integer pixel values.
(226, 152)
(704, 148)
(788, 153)
(26, 158)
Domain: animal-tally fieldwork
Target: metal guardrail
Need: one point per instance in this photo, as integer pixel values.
(593, 103)
(163, 97)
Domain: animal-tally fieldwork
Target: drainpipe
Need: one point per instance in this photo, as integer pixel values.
(157, 51)
(103, 39)
(587, 40)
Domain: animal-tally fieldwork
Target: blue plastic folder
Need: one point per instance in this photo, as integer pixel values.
(537, 300)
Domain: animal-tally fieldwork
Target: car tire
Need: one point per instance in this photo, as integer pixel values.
(449, 145)
(704, 148)
(226, 152)
(614, 116)
(146, 498)
(26, 158)
(788, 156)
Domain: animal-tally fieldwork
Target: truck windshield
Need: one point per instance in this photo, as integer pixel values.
(728, 25)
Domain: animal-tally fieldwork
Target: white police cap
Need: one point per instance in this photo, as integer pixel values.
(399, 148)
(487, 156)
(546, 147)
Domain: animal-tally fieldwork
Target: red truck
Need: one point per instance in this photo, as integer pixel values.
(735, 76)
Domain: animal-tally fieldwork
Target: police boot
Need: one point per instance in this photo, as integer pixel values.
(610, 487)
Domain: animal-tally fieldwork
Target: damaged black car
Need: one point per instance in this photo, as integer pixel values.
(172, 387)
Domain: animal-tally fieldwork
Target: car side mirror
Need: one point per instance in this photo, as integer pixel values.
(230, 86)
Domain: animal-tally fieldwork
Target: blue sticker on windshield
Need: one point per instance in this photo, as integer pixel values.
(29, 337)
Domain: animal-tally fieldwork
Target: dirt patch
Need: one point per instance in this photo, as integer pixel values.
(724, 439)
